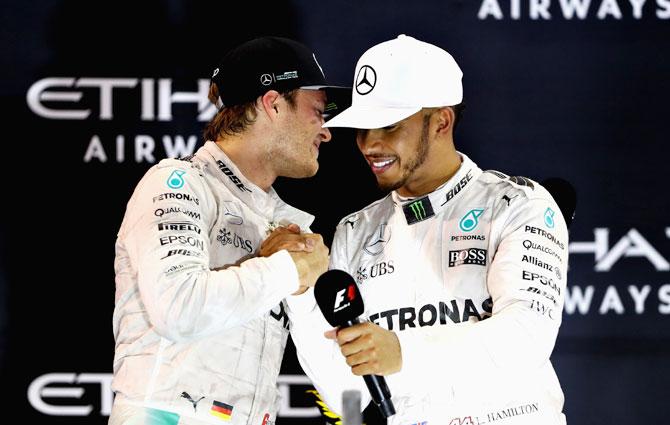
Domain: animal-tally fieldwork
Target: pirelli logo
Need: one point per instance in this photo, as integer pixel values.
(179, 227)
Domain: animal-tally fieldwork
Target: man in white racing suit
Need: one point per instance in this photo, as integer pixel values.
(462, 272)
(199, 323)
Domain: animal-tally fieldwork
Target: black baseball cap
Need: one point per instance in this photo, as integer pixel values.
(268, 63)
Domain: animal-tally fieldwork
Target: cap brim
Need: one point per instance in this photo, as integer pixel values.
(338, 98)
(369, 117)
(324, 86)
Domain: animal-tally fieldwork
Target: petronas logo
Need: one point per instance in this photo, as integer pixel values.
(176, 181)
(470, 220)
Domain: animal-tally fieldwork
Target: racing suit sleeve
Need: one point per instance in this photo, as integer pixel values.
(320, 357)
(167, 241)
(527, 305)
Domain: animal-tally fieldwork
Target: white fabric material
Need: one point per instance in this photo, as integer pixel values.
(196, 311)
(474, 294)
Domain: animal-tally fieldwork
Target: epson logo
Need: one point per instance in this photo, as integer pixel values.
(525, 275)
(59, 97)
(474, 256)
(184, 240)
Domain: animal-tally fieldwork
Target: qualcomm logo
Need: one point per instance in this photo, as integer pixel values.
(632, 244)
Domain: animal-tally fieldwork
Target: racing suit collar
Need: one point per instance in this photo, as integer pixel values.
(423, 207)
(267, 204)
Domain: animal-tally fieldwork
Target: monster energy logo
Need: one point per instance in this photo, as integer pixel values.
(418, 210)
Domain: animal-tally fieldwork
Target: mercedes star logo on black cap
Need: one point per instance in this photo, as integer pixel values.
(365, 80)
(266, 79)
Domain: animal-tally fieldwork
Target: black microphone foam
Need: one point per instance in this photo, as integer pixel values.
(338, 297)
(565, 196)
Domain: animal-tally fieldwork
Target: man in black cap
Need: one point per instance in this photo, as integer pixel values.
(199, 322)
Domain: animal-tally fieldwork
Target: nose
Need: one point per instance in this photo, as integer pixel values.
(325, 134)
(364, 140)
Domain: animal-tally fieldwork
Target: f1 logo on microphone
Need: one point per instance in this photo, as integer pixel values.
(340, 301)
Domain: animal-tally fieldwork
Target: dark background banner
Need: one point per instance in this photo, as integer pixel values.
(95, 92)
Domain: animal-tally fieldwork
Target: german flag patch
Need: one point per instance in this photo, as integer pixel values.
(221, 410)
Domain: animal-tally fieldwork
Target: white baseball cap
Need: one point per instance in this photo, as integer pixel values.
(397, 78)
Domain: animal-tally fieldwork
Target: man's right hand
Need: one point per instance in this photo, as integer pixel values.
(307, 250)
(311, 265)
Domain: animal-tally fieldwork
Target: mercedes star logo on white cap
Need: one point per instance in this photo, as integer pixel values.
(408, 75)
(366, 80)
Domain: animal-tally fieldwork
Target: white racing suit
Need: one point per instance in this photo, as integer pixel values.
(471, 278)
(199, 323)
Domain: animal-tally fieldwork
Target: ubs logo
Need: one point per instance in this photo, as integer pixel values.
(226, 237)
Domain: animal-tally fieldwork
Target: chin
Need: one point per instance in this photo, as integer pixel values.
(304, 172)
(388, 186)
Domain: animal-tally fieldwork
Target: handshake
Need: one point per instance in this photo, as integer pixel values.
(308, 251)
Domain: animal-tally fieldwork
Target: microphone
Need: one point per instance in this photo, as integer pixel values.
(565, 196)
(341, 303)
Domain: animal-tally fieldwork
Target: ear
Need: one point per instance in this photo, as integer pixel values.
(445, 120)
(270, 104)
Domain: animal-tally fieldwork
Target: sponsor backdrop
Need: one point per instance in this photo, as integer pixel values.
(94, 93)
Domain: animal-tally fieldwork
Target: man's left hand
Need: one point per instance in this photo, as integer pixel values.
(369, 349)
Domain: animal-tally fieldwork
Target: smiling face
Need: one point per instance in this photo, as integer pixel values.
(397, 154)
(295, 149)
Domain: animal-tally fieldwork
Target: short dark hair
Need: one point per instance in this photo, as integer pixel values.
(458, 112)
(235, 119)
